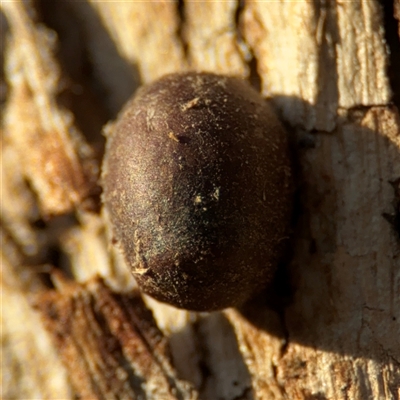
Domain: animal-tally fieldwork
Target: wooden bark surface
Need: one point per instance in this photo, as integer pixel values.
(330, 70)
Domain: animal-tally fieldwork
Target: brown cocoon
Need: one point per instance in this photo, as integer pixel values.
(197, 183)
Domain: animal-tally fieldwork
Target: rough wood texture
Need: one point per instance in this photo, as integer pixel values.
(333, 332)
(65, 181)
(110, 343)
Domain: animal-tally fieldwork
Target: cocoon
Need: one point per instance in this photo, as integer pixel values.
(197, 184)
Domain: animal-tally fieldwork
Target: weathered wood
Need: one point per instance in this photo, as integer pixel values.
(110, 343)
(54, 158)
(324, 65)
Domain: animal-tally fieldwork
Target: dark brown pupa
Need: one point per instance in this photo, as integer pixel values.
(197, 184)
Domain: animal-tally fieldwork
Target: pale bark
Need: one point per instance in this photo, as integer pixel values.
(324, 65)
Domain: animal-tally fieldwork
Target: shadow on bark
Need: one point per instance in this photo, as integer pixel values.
(319, 293)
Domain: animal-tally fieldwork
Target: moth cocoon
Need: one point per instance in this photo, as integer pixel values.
(197, 183)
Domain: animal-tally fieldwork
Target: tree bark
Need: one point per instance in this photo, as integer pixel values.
(333, 328)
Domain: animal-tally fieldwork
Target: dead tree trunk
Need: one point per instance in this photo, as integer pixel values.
(331, 68)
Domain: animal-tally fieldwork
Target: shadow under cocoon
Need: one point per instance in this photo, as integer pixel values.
(301, 296)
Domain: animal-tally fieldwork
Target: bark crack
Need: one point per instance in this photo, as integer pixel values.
(181, 12)
(245, 49)
(393, 44)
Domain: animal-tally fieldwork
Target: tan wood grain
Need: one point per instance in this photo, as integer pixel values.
(324, 65)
